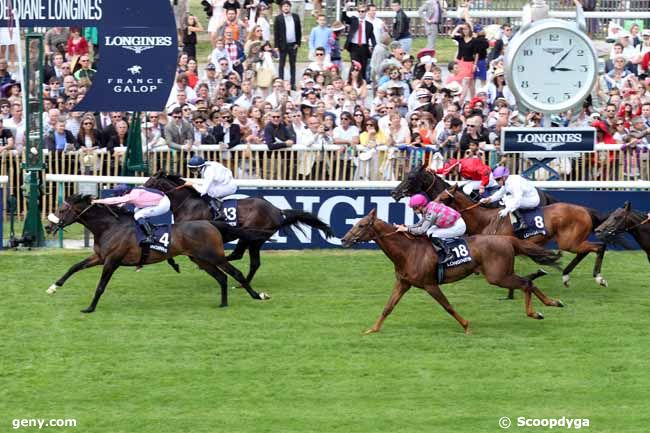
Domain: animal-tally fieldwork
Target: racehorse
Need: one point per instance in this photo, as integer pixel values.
(425, 181)
(416, 264)
(255, 213)
(115, 245)
(569, 225)
(626, 220)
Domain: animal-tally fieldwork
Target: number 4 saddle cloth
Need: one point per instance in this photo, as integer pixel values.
(534, 220)
(162, 232)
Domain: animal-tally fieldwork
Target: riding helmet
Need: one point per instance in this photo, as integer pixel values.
(500, 172)
(196, 162)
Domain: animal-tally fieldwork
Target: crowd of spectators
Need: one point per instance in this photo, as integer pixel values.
(387, 96)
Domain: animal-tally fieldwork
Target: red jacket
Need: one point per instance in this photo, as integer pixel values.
(470, 168)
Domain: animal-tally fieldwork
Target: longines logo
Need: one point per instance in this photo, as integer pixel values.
(138, 44)
(549, 141)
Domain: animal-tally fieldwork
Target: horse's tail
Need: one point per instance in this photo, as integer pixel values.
(247, 234)
(538, 254)
(293, 217)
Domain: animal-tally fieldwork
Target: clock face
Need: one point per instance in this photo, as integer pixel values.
(552, 69)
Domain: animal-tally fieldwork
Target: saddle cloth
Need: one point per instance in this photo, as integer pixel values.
(229, 212)
(162, 231)
(535, 220)
(460, 255)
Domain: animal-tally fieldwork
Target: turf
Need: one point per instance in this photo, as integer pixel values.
(160, 356)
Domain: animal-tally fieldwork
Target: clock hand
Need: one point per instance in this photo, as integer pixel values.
(563, 57)
(553, 69)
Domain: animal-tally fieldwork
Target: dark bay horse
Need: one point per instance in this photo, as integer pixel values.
(569, 225)
(115, 245)
(626, 220)
(252, 213)
(416, 264)
(426, 181)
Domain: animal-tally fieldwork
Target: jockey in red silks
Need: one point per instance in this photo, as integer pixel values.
(474, 169)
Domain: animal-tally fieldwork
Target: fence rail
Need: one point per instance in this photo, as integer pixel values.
(256, 163)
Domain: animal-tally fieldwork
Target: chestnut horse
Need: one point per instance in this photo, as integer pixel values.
(115, 245)
(416, 264)
(569, 225)
(626, 220)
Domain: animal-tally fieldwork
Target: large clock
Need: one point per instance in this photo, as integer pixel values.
(551, 66)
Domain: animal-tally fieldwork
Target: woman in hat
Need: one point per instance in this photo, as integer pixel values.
(357, 82)
(498, 88)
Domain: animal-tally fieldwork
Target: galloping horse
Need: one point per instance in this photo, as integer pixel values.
(115, 245)
(252, 213)
(416, 261)
(626, 220)
(424, 181)
(567, 224)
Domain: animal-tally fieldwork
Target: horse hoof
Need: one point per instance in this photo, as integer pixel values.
(264, 296)
(505, 299)
(565, 280)
(223, 305)
(87, 310)
(540, 316)
(52, 289)
(559, 303)
(600, 280)
(370, 331)
(542, 272)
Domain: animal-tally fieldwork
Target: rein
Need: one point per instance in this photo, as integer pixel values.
(407, 234)
(638, 225)
(474, 206)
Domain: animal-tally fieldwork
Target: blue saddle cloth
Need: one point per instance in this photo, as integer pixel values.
(534, 220)
(459, 249)
(229, 212)
(162, 231)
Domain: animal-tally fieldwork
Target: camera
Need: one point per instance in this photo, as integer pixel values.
(207, 7)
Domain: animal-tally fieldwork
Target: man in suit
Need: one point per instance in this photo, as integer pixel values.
(226, 131)
(361, 37)
(178, 133)
(287, 36)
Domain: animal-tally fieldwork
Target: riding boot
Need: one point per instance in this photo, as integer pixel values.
(146, 242)
(520, 220)
(444, 254)
(215, 205)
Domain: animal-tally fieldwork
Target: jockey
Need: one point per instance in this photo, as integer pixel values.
(438, 222)
(218, 182)
(517, 193)
(148, 203)
(479, 174)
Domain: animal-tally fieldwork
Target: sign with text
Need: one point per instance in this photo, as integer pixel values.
(548, 140)
(137, 45)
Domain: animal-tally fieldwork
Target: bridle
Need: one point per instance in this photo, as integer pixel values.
(59, 225)
(376, 236)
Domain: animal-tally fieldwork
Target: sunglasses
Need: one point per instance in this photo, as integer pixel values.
(226, 117)
(177, 117)
(319, 54)
(88, 123)
(275, 117)
(358, 115)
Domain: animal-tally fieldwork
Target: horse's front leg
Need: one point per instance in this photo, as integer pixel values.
(600, 255)
(238, 252)
(88, 262)
(109, 267)
(399, 289)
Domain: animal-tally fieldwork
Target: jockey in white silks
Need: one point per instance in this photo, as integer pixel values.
(218, 182)
(517, 193)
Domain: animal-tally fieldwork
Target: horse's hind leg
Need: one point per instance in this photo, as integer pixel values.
(254, 252)
(88, 262)
(239, 251)
(436, 293)
(513, 281)
(532, 277)
(545, 299)
(107, 273)
(239, 277)
(566, 271)
(215, 273)
(171, 262)
(399, 289)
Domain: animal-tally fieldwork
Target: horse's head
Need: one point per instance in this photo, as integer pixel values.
(362, 231)
(413, 183)
(616, 223)
(164, 181)
(68, 212)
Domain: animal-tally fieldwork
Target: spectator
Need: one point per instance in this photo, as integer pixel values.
(5, 75)
(77, 44)
(201, 131)
(361, 36)
(178, 132)
(401, 26)
(287, 36)
(431, 13)
(276, 133)
(6, 138)
(225, 131)
(346, 133)
(319, 37)
(191, 28)
(118, 141)
(234, 50)
(237, 29)
(59, 139)
(84, 71)
(56, 40)
(88, 139)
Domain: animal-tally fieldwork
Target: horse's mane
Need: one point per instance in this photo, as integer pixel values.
(637, 216)
(175, 179)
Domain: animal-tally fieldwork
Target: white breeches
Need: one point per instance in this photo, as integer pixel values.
(457, 230)
(222, 190)
(151, 211)
(474, 185)
(529, 201)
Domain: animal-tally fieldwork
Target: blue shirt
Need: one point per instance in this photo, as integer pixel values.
(319, 37)
(59, 140)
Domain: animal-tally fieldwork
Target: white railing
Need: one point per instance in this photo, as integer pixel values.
(273, 184)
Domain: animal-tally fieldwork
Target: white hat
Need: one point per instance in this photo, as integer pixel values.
(645, 32)
(426, 59)
(427, 75)
(455, 88)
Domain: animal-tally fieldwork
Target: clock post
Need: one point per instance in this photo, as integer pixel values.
(551, 67)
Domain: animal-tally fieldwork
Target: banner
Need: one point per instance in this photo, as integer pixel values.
(138, 47)
(551, 141)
